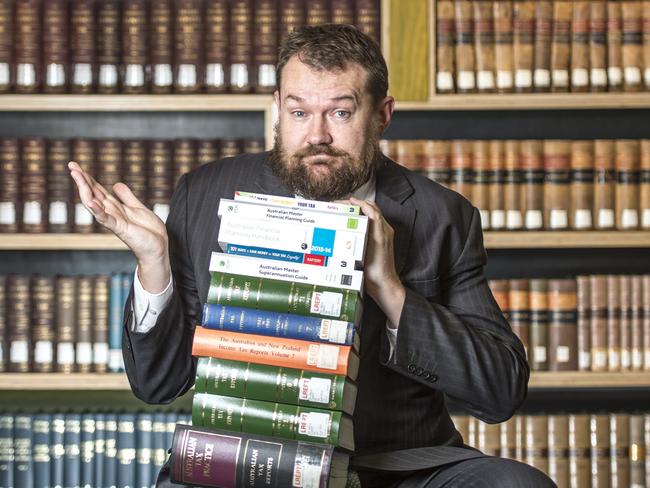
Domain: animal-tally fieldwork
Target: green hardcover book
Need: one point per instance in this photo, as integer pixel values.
(275, 384)
(284, 296)
(274, 419)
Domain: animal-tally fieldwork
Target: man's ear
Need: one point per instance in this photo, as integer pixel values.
(385, 111)
(276, 99)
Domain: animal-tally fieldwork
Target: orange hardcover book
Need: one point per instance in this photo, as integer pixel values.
(280, 351)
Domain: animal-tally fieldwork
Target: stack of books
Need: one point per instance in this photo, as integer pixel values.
(277, 347)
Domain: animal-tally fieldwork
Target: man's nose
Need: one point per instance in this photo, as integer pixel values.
(319, 132)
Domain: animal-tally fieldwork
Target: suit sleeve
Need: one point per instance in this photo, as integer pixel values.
(460, 343)
(159, 363)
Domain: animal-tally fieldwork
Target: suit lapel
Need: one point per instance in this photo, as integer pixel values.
(268, 183)
(392, 193)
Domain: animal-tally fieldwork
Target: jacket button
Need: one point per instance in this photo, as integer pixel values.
(433, 378)
(419, 371)
(411, 368)
(427, 375)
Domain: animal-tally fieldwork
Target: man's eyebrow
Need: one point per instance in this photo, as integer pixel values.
(352, 97)
(295, 98)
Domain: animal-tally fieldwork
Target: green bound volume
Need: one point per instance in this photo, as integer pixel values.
(284, 297)
(275, 384)
(274, 419)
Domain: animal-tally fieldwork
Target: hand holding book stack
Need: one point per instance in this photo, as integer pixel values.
(277, 346)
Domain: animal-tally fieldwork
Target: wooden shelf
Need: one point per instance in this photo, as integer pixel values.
(565, 239)
(493, 240)
(135, 103)
(532, 101)
(118, 381)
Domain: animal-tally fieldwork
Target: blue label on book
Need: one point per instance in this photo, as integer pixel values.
(263, 252)
(322, 241)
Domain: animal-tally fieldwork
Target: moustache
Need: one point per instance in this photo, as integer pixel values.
(320, 150)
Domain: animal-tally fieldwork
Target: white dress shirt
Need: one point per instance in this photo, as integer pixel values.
(148, 306)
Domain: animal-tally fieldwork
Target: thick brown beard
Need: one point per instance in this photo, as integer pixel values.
(344, 178)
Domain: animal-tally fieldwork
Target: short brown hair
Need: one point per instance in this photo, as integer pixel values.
(331, 46)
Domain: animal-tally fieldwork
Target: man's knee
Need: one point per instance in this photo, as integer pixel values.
(511, 473)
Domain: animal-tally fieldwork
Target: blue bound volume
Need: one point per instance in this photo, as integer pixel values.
(144, 451)
(126, 467)
(57, 449)
(100, 448)
(110, 450)
(262, 322)
(116, 306)
(23, 469)
(41, 426)
(72, 459)
(87, 446)
(7, 452)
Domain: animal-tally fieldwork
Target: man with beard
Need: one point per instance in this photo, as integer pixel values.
(430, 327)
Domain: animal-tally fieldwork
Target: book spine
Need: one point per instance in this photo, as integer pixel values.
(230, 148)
(144, 450)
(66, 305)
(646, 43)
(543, 41)
(637, 323)
(99, 443)
(536, 450)
(266, 418)
(134, 46)
(115, 325)
(406, 154)
(27, 63)
(292, 15)
(41, 450)
(317, 12)
(10, 186)
(437, 161)
(159, 428)
(484, 46)
(4, 326)
(512, 189)
(83, 153)
(72, 450)
(532, 184)
(265, 32)
(598, 45)
(288, 463)
(614, 45)
(561, 46)
(604, 185)
(557, 166)
(159, 178)
(55, 46)
(584, 322)
(481, 188)
(135, 168)
(646, 322)
(599, 336)
(503, 45)
(82, 46)
(520, 313)
(464, 55)
(619, 428)
(184, 158)
(126, 450)
(109, 36)
(7, 457)
(170, 426)
(489, 438)
(580, 46)
(580, 450)
(109, 165)
(262, 322)
(279, 201)
(284, 297)
(632, 45)
(613, 323)
(87, 449)
(18, 320)
(57, 449)
(501, 292)
(644, 178)
(496, 184)
(582, 185)
(558, 449)
(269, 383)
(638, 448)
(600, 449)
(625, 324)
(6, 44)
(110, 456)
(342, 11)
(161, 46)
(627, 183)
(368, 15)
(241, 46)
(562, 333)
(462, 176)
(101, 287)
(188, 35)
(445, 46)
(523, 44)
(23, 463)
(43, 301)
(289, 353)
(34, 185)
(59, 186)
(508, 436)
(84, 324)
(216, 46)
(348, 279)
(538, 358)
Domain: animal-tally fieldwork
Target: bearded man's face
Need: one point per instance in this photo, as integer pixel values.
(327, 136)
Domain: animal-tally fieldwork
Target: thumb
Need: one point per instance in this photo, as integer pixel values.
(126, 196)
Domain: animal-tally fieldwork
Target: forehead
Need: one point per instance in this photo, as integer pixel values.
(301, 80)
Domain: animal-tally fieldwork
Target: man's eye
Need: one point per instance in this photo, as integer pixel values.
(298, 113)
(342, 114)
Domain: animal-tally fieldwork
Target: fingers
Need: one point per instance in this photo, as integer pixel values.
(101, 215)
(369, 208)
(125, 194)
(88, 187)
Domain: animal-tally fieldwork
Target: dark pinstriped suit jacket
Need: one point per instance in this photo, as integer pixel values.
(452, 340)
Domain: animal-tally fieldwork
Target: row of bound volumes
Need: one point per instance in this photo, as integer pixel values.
(575, 449)
(157, 46)
(540, 184)
(62, 324)
(519, 46)
(104, 450)
(590, 323)
(37, 193)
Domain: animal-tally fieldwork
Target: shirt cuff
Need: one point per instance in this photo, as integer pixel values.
(147, 306)
(391, 333)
